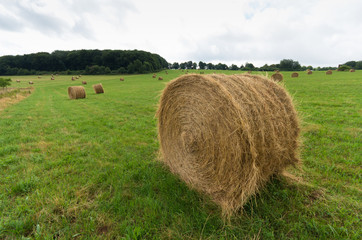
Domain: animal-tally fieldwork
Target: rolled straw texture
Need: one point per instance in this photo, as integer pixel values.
(76, 92)
(295, 74)
(277, 77)
(98, 88)
(227, 135)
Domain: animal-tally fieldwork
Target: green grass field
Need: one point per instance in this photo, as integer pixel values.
(88, 169)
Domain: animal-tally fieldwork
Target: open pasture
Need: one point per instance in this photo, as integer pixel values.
(88, 169)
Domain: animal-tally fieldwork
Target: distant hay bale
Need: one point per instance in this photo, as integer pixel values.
(73, 78)
(295, 75)
(226, 135)
(160, 78)
(52, 78)
(277, 77)
(352, 70)
(98, 88)
(154, 75)
(17, 80)
(309, 72)
(31, 82)
(121, 79)
(329, 72)
(76, 92)
(84, 82)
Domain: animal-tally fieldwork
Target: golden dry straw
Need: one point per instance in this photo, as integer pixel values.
(329, 72)
(226, 135)
(84, 82)
(98, 88)
(352, 70)
(295, 75)
(76, 92)
(277, 77)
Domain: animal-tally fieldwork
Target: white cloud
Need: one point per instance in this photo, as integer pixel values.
(313, 32)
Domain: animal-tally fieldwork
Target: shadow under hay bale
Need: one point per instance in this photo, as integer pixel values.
(76, 92)
(98, 88)
(329, 72)
(226, 135)
(277, 77)
(295, 75)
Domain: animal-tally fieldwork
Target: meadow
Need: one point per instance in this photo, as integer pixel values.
(88, 169)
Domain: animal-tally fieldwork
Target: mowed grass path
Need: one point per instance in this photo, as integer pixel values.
(87, 168)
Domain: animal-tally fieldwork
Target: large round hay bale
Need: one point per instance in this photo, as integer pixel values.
(76, 92)
(98, 88)
(160, 78)
(295, 75)
(309, 72)
(227, 135)
(277, 77)
(329, 72)
(352, 70)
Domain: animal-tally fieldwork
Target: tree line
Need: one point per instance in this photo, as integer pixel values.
(83, 62)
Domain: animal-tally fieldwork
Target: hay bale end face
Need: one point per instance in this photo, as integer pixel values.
(295, 75)
(277, 77)
(226, 135)
(76, 92)
(98, 88)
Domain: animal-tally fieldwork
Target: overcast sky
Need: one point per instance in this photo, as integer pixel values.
(313, 32)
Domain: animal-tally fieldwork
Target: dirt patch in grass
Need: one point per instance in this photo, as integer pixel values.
(11, 96)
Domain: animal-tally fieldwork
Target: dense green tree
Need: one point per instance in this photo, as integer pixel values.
(289, 65)
(202, 65)
(4, 82)
(233, 67)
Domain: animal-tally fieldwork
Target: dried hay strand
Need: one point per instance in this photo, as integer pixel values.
(329, 72)
(76, 92)
(98, 88)
(295, 75)
(227, 135)
(352, 70)
(84, 82)
(277, 77)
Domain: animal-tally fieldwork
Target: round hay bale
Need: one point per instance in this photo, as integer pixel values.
(160, 78)
(121, 79)
(329, 72)
(277, 77)
(84, 82)
(31, 82)
(295, 75)
(76, 92)
(17, 80)
(309, 72)
(226, 135)
(352, 70)
(98, 88)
